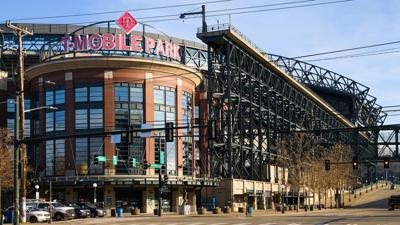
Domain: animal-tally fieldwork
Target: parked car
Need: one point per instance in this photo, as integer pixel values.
(94, 211)
(79, 212)
(58, 210)
(37, 215)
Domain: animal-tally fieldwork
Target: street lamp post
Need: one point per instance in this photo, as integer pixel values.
(37, 191)
(94, 193)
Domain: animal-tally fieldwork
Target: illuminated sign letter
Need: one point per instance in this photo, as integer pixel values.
(95, 42)
(150, 44)
(160, 48)
(176, 51)
(108, 42)
(65, 41)
(136, 43)
(80, 42)
(169, 49)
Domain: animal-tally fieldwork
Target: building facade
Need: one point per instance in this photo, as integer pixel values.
(105, 98)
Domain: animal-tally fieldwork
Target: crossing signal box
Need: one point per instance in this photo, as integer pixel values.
(327, 164)
(166, 178)
(355, 164)
(386, 163)
(169, 132)
(145, 164)
(132, 162)
(96, 159)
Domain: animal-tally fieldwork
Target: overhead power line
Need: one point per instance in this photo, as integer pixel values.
(119, 11)
(347, 49)
(175, 17)
(391, 106)
(252, 11)
(372, 53)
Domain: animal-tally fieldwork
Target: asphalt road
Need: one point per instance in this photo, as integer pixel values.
(371, 209)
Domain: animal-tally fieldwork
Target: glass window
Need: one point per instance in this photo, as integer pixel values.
(159, 97)
(11, 126)
(96, 118)
(170, 98)
(49, 97)
(81, 154)
(60, 120)
(49, 121)
(136, 94)
(81, 119)
(81, 94)
(96, 148)
(60, 96)
(121, 117)
(136, 116)
(50, 158)
(27, 128)
(59, 157)
(96, 93)
(159, 119)
(10, 105)
(27, 104)
(171, 158)
(121, 93)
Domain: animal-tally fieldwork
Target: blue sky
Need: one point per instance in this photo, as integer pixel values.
(290, 32)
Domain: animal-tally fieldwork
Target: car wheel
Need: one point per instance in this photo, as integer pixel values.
(59, 216)
(33, 219)
(92, 214)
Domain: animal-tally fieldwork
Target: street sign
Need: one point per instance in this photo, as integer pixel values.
(162, 161)
(156, 166)
(133, 162)
(145, 134)
(101, 158)
(115, 160)
(116, 138)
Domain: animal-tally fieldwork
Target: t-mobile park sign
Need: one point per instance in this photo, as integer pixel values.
(118, 42)
(106, 42)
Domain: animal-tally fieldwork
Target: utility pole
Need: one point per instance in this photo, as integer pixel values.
(19, 125)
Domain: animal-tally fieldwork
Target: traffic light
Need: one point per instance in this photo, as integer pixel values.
(145, 164)
(96, 159)
(129, 135)
(327, 164)
(132, 163)
(166, 178)
(386, 163)
(355, 164)
(169, 132)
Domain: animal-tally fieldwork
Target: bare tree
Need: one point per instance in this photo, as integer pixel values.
(297, 152)
(6, 159)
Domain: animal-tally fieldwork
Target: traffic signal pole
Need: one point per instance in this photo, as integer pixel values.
(159, 193)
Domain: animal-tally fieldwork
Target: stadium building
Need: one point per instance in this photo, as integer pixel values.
(111, 95)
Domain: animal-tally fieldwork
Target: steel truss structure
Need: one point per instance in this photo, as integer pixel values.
(254, 105)
(366, 111)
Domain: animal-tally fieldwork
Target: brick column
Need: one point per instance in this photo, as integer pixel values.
(70, 167)
(149, 118)
(178, 132)
(109, 120)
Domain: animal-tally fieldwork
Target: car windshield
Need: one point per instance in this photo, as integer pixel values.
(56, 204)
